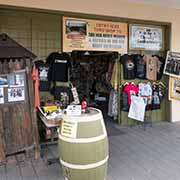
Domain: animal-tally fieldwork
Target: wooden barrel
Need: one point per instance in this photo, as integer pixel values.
(84, 153)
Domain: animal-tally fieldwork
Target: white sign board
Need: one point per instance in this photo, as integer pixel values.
(73, 110)
(69, 129)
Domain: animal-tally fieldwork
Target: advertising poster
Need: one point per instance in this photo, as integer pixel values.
(16, 94)
(3, 81)
(172, 65)
(16, 80)
(1, 95)
(174, 90)
(143, 37)
(93, 35)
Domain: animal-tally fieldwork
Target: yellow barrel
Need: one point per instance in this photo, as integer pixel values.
(83, 146)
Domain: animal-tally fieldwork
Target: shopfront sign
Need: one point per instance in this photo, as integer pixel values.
(94, 35)
(144, 37)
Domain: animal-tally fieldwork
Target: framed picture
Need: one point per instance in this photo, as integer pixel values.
(16, 94)
(146, 37)
(174, 88)
(172, 65)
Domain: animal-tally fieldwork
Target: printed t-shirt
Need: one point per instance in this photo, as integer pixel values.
(128, 66)
(131, 89)
(151, 68)
(43, 69)
(60, 63)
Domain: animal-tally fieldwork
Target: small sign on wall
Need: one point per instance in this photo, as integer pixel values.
(146, 37)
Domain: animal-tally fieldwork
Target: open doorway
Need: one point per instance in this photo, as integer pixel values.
(91, 74)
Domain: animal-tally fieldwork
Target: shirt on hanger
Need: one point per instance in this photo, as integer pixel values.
(60, 63)
(140, 66)
(131, 89)
(43, 70)
(128, 66)
(151, 67)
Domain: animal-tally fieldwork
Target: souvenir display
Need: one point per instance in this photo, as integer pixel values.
(153, 93)
(137, 66)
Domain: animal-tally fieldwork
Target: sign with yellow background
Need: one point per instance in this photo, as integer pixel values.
(92, 35)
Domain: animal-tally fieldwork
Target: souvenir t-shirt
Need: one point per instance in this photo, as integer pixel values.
(128, 66)
(156, 98)
(60, 63)
(125, 106)
(43, 70)
(140, 66)
(131, 89)
(160, 66)
(151, 67)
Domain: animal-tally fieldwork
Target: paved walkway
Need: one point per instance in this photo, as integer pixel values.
(135, 154)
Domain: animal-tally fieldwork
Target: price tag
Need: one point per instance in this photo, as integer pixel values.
(73, 110)
(69, 129)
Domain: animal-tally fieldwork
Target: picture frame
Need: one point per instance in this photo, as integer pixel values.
(174, 88)
(172, 64)
(146, 37)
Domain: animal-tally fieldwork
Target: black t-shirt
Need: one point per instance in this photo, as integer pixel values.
(140, 66)
(43, 70)
(60, 63)
(128, 66)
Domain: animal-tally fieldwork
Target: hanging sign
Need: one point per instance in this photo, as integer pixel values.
(172, 65)
(174, 90)
(143, 37)
(93, 35)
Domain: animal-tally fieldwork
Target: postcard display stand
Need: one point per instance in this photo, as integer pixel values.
(18, 124)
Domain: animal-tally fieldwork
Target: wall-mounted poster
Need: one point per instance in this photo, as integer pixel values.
(94, 35)
(1, 95)
(3, 81)
(144, 37)
(16, 94)
(174, 90)
(16, 80)
(172, 65)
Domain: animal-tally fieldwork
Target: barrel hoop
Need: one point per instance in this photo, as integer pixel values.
(83, 140)
(87, 166)
(91, 118)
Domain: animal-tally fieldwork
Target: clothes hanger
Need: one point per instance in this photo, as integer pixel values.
(162, 84)
(126, 83)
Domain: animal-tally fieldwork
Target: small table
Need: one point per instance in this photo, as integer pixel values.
(49, 130)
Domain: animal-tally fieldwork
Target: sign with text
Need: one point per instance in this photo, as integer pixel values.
(73, 110)
(94, 35)
(69, 129)
(143, 37)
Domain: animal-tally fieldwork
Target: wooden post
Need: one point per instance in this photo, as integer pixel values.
(32, 109)
(2, 153)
